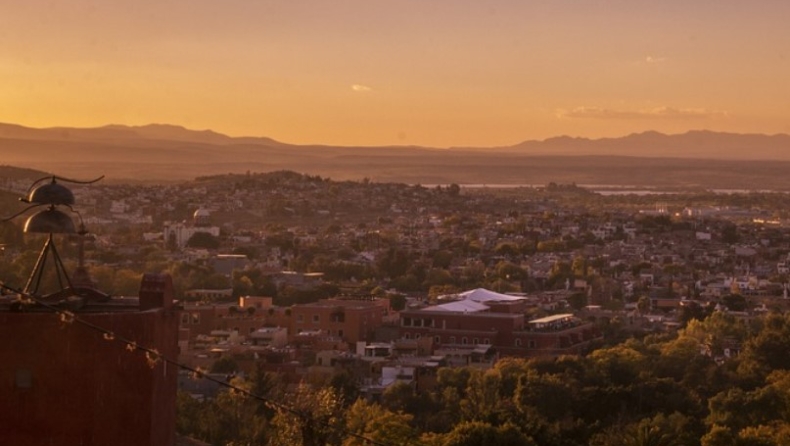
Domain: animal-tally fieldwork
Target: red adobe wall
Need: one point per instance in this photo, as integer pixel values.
(64, 384)
(359, 321)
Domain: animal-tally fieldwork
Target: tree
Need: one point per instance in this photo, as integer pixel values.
(577, 301)
(393, 263)
(643, 305)
(372, 421)
(735, 302)
(767, 350)
(476, 433)
(483, 400)
(315, 418)
(397, 302)
(620, 365)
(225, 364)
(399, 397)
(230, 418)
(510, 271)
(242, 285)
(660, 430)
(443, 259)
(203, 240)
(550, 395)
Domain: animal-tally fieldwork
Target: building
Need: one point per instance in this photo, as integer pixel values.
(177, 234)
(297, 280)
(225, 264)
(484, 318)
(260, 303)
(269, 337)
(349, 320)
(63, 382)
(223, 294)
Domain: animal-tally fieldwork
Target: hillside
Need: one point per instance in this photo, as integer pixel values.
(170, 153)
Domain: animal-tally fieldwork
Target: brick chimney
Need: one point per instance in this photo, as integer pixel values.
(156, 291)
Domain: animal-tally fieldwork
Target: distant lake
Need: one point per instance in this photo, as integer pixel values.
(611, 189)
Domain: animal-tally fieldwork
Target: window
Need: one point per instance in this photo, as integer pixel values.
(518, 342)
(486, 341)
(195, 318)
(316, 318)
(464, 340)
(24, 379)
(437, 339)
(531, 343)
(475, 341)
(300, 318)
(452, 339)
(184, 318)
(340, 333)
(406, 336)
(407, 322)
(417, 336)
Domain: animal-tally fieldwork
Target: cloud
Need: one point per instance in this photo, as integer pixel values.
(655, 60)
(652, 113)
(361, 88)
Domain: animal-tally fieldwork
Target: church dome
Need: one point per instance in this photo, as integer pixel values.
(201, 217)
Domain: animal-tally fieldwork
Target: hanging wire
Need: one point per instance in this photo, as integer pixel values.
(153, 357)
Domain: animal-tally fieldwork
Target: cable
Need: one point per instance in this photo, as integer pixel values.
(153, 356)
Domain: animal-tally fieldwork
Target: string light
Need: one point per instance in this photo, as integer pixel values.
(153, 357)
(67, 317)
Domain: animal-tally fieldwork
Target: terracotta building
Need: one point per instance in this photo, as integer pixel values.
(482, 317)
(349, 320)
(65, 383)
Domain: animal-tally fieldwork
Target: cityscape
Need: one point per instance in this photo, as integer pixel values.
(411, 223)
(385, 295)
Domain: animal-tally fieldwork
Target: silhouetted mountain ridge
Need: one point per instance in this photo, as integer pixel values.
(160, 152)
(702, 144)
(163, 132)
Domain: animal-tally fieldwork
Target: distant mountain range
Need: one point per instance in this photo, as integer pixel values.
(171, 153)
(694, 144)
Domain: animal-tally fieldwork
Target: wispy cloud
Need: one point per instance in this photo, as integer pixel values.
(655, 60)
(361, 88)
(651, 113)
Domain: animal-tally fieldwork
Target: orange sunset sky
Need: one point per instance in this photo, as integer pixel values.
(436, 73)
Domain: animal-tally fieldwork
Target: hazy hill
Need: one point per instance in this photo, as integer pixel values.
(172, 153)
(694, 144)
(157, 132)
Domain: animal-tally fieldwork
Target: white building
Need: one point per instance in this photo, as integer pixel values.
(179, 233)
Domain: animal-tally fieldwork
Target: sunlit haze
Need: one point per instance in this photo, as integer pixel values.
(435, 73)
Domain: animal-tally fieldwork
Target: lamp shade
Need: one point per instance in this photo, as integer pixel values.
(50, 221)
(52, 194)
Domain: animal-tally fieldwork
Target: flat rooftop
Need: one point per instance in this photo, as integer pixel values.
(551, 319)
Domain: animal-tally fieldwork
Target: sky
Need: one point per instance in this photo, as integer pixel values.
(399, 72)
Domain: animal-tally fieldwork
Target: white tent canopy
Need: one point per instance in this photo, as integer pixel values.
(471, 301)
(481, 295)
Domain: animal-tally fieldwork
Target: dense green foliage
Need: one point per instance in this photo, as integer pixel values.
(660, 390)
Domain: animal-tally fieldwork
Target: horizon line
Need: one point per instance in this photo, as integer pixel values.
(320, 144)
